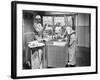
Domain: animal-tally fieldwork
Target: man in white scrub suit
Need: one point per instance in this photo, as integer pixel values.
(72, 41)
(37, 63)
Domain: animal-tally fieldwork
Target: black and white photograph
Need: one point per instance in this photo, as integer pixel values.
(53, 39)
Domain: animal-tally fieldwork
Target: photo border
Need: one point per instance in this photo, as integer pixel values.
(14, 38)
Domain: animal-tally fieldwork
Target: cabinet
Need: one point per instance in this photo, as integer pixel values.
(57, 54)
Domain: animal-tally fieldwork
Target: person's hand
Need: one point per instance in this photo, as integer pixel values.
(62, 36)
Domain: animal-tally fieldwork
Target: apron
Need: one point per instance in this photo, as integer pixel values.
(38, 54)
(37, 59)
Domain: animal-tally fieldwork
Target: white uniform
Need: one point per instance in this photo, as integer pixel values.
(58, 30)
(37, 63)
(38, 27)
(71, 49)
(37, 59)
(72, 41)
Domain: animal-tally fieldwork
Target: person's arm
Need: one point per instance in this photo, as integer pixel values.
(37, 27)
(65, 34)
(43, 29)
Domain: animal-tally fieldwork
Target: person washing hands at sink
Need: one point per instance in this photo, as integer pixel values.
(72, 42)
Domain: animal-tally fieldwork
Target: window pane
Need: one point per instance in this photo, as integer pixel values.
(59, 20)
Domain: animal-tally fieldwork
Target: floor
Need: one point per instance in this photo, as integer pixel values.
(83, 56)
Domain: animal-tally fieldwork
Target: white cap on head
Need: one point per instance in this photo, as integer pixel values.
(69, 29)
(38, 17)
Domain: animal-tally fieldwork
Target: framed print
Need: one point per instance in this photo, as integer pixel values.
(53, 39)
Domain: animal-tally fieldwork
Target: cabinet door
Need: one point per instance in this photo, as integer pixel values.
(57, 56)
